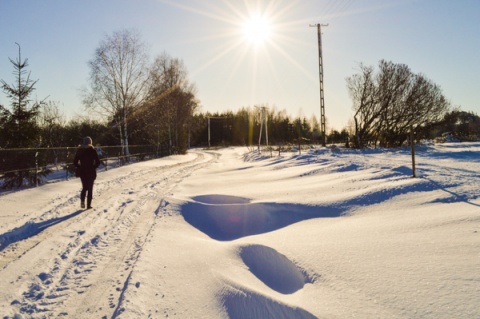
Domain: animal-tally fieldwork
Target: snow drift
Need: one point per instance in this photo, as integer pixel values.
(331, 233)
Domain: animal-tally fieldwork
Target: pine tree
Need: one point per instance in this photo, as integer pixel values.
(19, 125)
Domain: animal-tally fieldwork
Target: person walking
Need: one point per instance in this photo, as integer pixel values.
(86, 159)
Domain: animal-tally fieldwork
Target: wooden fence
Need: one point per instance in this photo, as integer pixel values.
(61, 158)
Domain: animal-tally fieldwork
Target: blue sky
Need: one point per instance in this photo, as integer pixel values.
(438, 38)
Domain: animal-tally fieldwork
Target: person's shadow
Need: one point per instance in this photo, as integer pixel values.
(30, 229)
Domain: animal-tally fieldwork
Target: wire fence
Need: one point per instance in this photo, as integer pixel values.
(36, 160)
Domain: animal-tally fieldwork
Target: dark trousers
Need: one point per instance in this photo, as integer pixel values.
(87, 190)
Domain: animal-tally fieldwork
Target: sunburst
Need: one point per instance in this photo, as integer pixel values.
(257, 29)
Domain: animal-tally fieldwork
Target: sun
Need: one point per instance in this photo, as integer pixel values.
(257, 29)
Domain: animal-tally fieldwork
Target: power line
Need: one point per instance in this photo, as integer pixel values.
(346, 5)
(336, 6)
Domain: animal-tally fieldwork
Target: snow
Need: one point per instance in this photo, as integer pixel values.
(328, 233)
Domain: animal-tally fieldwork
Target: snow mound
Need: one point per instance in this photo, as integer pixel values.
(224, 217)
(273, 269)
(240, 303)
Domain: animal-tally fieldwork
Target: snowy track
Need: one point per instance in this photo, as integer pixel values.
(75, 257)
(331, 233)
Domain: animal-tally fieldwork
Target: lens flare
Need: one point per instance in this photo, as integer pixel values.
(257, 29)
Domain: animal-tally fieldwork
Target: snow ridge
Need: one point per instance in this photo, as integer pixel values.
(242, 303)
(227, 218)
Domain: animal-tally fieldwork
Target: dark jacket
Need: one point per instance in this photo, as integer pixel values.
(87, 160)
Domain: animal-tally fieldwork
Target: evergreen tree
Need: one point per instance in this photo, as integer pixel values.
(19, 125)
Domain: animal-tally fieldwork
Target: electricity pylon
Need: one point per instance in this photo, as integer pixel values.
(320, 69)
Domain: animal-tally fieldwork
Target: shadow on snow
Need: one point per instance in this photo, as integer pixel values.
(226, 218)
(30, 229)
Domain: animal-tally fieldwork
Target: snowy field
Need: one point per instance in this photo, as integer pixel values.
(330, 233)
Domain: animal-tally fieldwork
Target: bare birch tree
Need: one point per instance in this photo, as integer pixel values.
(118, 78)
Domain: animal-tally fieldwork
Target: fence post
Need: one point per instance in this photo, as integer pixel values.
(412, 146)
(36, 169)
(66, 165)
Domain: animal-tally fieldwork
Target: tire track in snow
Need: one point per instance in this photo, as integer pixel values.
(126, 238)
(93, 258)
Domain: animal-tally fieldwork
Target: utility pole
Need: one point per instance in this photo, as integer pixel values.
(263, 119)
(320, 68)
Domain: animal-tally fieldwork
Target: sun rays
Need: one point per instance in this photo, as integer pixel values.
(255, 42)
(248, 39)
(257, 29)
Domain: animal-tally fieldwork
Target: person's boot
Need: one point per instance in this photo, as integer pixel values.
(82, 204)
(89, 204)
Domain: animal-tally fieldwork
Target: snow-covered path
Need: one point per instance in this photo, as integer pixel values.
(331, 233)
(63, 261)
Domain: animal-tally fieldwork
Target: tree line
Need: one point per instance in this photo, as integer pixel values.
(132, 101)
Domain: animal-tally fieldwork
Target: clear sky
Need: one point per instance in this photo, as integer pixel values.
(438, 38)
